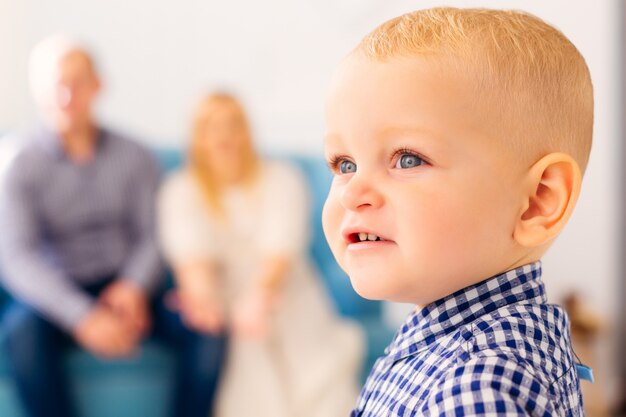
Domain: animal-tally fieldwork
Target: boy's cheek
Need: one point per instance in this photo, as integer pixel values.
(331, 214)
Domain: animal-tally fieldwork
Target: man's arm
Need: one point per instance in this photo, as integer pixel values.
(143, 264)
(141, 271)
(27, 275)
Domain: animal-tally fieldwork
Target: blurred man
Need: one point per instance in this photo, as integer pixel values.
(78, 245)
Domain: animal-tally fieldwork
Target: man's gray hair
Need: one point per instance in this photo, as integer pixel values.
(44, 59)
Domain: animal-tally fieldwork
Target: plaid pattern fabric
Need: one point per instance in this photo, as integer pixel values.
(495, 348)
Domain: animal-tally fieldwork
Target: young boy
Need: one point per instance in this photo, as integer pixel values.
(458, 139)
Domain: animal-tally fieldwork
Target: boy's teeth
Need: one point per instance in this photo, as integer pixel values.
(364, 237)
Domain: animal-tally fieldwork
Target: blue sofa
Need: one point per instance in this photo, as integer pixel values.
(141, 386)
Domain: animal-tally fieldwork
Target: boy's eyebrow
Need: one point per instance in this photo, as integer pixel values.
(331, 139)
(413, 130)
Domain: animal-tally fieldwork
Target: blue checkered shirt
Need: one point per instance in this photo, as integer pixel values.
(495, 348)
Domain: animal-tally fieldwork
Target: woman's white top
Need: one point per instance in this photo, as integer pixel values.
(308, 365)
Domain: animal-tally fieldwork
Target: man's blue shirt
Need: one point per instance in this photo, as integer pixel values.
(67, 224)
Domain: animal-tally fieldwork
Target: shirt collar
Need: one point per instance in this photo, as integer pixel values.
(423, 326)
(52, 141)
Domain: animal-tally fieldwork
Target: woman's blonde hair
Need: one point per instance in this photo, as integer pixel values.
(199, 161)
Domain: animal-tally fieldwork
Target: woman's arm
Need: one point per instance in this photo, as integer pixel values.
(187, 244)
(273, 272)
(198, 297)
(195, 276)
(283, 230)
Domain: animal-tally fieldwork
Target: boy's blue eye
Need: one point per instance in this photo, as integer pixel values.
(409, 161)
(347, 167)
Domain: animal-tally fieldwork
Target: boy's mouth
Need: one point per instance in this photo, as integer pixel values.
(363, 237)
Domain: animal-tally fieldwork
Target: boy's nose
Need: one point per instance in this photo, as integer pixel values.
(360, 193)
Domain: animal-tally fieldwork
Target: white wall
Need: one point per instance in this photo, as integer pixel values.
(159, 56)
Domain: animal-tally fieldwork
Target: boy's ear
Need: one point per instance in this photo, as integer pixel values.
(551, 189)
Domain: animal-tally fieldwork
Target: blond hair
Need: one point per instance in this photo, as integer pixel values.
(530, 76)
(198, 162)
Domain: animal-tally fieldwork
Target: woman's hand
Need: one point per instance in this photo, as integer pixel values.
(252, 314)
(197, 297)
(202, 312)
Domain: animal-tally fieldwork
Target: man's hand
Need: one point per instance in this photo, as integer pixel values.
(129, 303)
(104, 334)
(200, 311)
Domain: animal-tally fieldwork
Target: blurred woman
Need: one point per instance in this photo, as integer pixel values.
(234, 227)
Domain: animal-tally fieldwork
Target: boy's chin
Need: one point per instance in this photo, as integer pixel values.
(371, 288)
(368, 295)
(377, 289)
